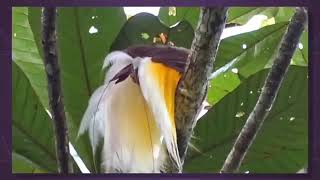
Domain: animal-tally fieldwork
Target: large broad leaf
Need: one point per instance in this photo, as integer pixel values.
(237, 15)
(26, 55)
(34, 17)
(173, 15)
(144, 28)
(31, 144)
(85, 36)
(241, 56)
(282, 143)
(22, 165)
(84, 39)
(32, 132)
(241, 15)
(300, 57)
(252, 49)
(245, 53)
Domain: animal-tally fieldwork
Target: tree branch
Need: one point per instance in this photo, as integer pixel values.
(269, 92)
(54, 89)
(192, 87)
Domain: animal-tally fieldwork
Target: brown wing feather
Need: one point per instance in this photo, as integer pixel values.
(172, 57)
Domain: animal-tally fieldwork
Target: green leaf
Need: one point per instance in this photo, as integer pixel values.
(245, 53)
(300, 57)
(30, 119)
(284, 14)
(172, 15)
(81, 56)
(241, 15)
(282, 143)
(89, 54)
(261, 45)
(181, 35)
(34, 17)
(247, 49)
(143, 25)
(33, 145)
(238, 15)
(84, 39)
(223, 84)
(134, 30)
(26, 55)
(21, 164)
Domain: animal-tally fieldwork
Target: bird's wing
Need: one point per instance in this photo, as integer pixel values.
(158, 83)
(93, 120)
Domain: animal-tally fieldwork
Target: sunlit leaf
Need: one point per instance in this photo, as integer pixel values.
(81, 53)
(281, 145)
(21, 164)
(241, 56)
(84, 38)
(26, 54)
(29, 120)
(300, 57)
(241, 15)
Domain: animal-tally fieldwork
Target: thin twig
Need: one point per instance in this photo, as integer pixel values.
(269, 92)
(54, 89)
(192, 87)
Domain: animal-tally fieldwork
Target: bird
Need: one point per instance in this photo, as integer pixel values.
(133, 110)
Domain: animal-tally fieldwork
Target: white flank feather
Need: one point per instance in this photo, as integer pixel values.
(116, 112)
(128, 145)
(111, 114)
(94, 118)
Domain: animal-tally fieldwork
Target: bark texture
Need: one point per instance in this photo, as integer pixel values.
(191, 89)
(269, 92)
(54, 89)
